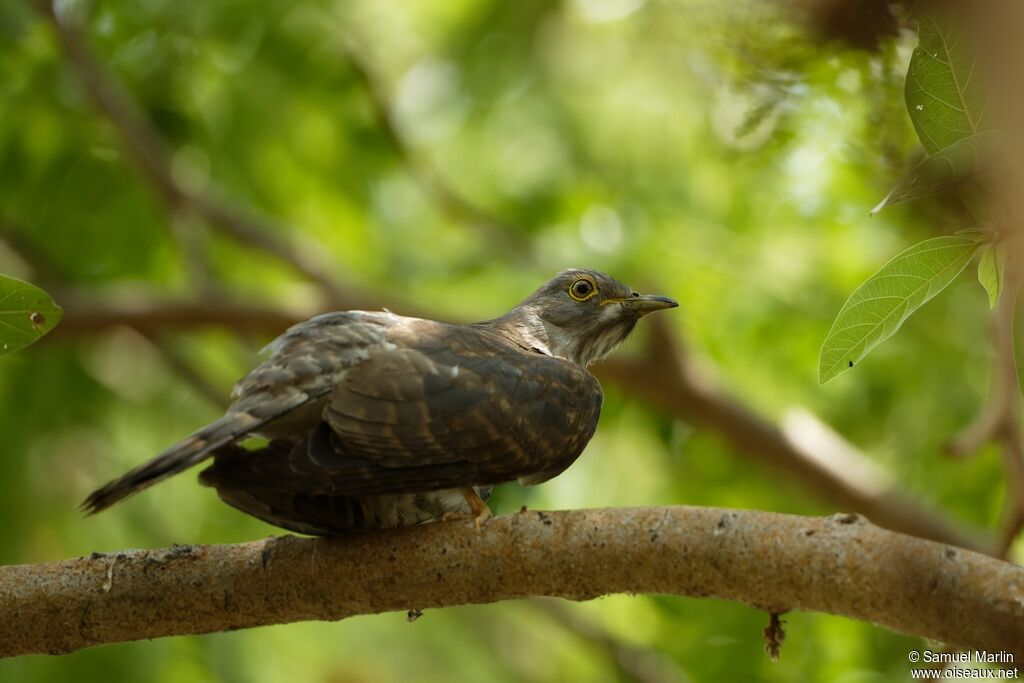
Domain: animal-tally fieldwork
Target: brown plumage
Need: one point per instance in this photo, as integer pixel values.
(376, 420)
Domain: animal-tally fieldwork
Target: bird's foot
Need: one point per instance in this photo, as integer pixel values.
(477, 506)
(482, 518)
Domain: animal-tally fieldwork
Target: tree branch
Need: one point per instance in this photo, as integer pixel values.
(840, 565)
(151, 317)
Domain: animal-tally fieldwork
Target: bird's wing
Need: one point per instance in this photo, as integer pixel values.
(437, 406)
(449, 405)
(304, 364)
(313, 355)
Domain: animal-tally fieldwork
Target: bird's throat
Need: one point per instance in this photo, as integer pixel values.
(528, 329)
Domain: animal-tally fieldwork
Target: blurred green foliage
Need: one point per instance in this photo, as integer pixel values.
(944, 100)
(709, 151)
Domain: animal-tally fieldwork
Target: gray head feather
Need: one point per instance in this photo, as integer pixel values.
(580, 315)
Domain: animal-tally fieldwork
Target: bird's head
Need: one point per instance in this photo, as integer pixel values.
(584, 314)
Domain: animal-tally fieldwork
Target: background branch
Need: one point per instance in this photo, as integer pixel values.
(840, 565)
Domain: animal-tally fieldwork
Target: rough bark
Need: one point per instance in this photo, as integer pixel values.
(840, 565)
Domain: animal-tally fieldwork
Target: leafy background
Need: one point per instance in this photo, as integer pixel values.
(725, 154)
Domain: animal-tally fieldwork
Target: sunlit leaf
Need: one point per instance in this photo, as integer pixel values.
(877, 309)
(990, 271)
(942, 98)
(943, 170)
(26, 314)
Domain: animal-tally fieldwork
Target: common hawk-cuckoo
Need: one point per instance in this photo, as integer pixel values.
(375, 420)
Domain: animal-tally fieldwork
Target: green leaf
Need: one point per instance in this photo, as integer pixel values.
(26, 314)
(944, 104)
(877, 309)
(990, 271)
(943, 170)
(1018, 338)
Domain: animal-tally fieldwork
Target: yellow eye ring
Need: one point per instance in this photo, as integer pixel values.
(582, 289)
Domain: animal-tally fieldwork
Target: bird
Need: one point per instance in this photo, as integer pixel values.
(368, 420)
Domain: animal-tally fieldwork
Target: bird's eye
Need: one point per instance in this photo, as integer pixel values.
(582, 289)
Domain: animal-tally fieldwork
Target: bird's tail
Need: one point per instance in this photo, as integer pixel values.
(177, 458)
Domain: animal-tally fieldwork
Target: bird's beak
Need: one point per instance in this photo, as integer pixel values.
(648, 303)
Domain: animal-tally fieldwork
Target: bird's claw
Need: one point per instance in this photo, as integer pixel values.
(482, 518)
(477, 507)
